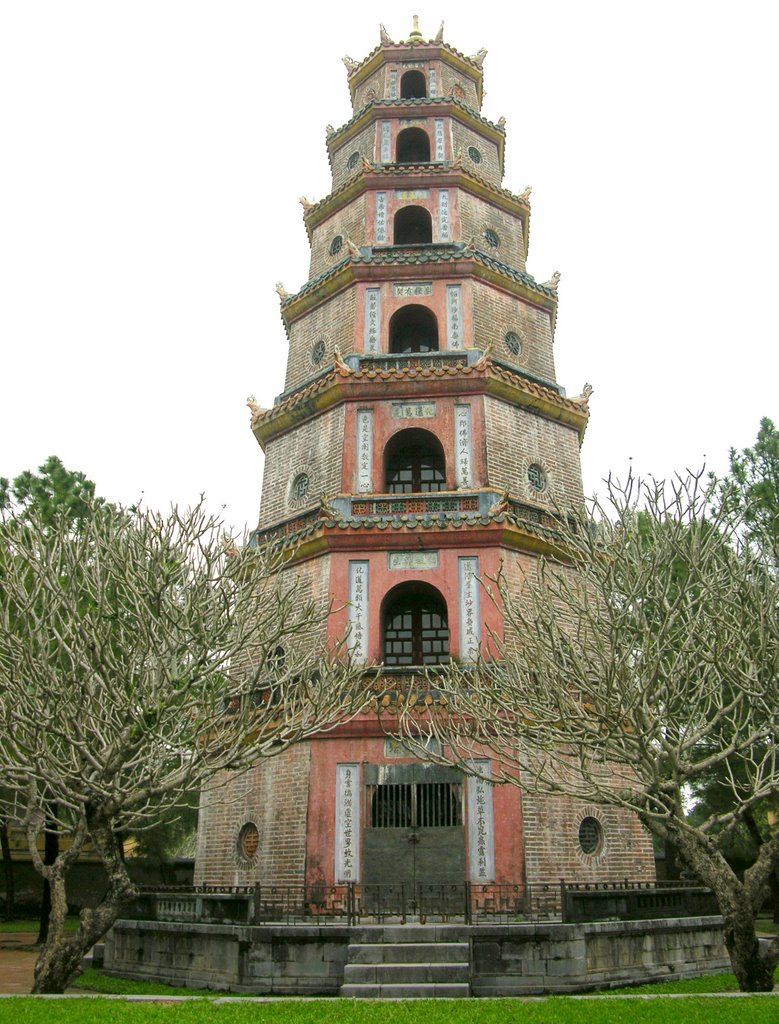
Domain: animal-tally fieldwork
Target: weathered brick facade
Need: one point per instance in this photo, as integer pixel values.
(273, 796)
(420, 435)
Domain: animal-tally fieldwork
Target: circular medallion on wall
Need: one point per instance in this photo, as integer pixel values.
(474, 154)
(537, 477)
(492, 238)
(513, 344)
(299, 489)
(354, 159)
(247, 844)
(318, 350)
(336, 245)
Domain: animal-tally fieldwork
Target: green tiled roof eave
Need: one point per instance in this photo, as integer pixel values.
(419, 256)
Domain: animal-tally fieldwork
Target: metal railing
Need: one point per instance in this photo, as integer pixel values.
(348, 904)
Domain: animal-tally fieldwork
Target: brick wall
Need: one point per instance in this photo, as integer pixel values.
(495, 313)
(489, 167)
(274, 796)
(314, 448)
(332, 321)
(450, 77)
(363, 143)
(348, 222)
(517, 437)
(552, 849)
(476, 216)
(372, 88)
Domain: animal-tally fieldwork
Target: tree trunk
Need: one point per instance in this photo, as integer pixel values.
(51, 849)
(8, 872)
(738, 904)
(61, 956)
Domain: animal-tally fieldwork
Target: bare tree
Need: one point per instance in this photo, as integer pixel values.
(643, 657)
(139, 655)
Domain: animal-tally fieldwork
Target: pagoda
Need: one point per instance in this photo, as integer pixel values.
(421, 443)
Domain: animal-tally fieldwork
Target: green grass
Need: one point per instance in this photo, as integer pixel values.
(487, 1011)
(690, 986)
(766, 924)
(32, 924)
(93, 980)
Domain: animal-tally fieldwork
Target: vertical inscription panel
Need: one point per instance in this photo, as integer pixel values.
(454, 317)
(431, 76)
(364, 451)
(381, 218)
(386, 142)
(372, 319)
(358, 611)
(444, 216)
(347, 823)
(470, 624)
(439, 138)
(481, 836)
(463, 445)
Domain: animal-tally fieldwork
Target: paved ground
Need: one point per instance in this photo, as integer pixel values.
(17, 960)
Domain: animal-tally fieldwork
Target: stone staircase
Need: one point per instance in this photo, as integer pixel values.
(407, 962)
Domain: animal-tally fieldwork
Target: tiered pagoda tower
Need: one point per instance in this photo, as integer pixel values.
(419, 443)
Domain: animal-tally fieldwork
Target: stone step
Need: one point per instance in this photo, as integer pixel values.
(407, 991)
(409, 952)
(402, 974)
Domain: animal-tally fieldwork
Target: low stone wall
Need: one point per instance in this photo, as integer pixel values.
(295, 960)
(536, 959)
(506, 960)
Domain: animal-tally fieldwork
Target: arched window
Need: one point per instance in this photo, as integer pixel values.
(415, 628)
(413, 146)
(413, 329)
(413, 226)
(415, 463)
(413, 86)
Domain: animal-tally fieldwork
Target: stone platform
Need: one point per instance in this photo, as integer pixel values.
(492, 960)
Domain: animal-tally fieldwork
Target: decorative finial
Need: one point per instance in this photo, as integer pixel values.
(329, 130)
(306, 204)
(282, 291)
(584, 398)
(525, 193)
(351, 65)
(416, 35)
(384, 36)
(257, 411)
(353, 249)
(478, 58)
(440, 34)
(553, 281)
(501, 122)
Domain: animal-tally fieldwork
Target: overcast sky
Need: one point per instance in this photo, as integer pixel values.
(152, 158)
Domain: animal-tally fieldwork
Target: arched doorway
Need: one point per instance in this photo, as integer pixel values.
(413, 329)
(413, 226)
(413, 146)
(414, 463)
(415, 628)
(413, 86)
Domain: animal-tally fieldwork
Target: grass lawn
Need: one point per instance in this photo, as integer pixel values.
(32, 924)
(756, 1010)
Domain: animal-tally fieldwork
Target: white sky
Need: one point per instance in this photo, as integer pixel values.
(152, 158)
